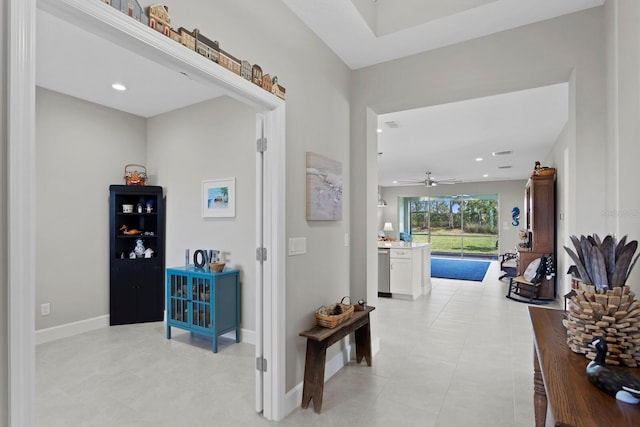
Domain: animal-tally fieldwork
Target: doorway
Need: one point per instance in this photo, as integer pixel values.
(21, 198)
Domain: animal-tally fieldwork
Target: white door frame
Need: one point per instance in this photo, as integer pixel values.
(270, 229)
(21, 217)
(21, 83)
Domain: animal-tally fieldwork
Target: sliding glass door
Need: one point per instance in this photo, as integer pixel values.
(460, 225)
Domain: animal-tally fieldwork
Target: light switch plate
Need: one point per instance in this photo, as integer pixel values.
(297, 245)
(346, 239)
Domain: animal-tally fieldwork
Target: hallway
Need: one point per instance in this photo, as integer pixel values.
(461, 356)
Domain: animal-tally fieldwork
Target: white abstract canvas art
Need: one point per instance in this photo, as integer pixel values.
(324, 188)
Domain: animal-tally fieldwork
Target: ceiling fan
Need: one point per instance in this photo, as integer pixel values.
(431, 182)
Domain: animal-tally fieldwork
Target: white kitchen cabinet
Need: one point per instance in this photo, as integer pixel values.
(400, 275)
(410, 272)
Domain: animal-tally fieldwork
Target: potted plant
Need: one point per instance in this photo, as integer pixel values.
(603, 306)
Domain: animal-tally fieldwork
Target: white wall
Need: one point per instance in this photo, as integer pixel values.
(4, 357)
(510, 195)
(81, 148)
(622, 210)
(558, 158)
(211, 140)
(535, 55)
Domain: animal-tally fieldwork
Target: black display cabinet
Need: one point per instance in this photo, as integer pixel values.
(136, 291)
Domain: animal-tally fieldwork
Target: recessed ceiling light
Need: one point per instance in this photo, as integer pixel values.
(395, 182)
(479, 159)
(485, 176)
(119, 86)
(379, 130)
(502, 153)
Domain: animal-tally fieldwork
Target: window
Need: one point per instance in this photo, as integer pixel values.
(454, 225)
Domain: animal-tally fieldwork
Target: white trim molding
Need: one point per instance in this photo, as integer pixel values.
(75, 328)
(70, 329)
(21, 215)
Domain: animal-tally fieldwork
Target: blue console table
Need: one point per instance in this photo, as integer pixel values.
(203, 302)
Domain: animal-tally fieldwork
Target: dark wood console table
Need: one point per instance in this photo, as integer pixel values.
(563, 394)
(319, 339)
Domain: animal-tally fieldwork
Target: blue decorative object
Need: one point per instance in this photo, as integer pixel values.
(515, 215)
(203, 302)
(612, 380)
(459, 269)
(139, 249)
(405, 237)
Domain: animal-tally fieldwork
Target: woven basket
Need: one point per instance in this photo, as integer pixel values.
(327, 320)
(545, 172)
(216, 267)
(135, 176)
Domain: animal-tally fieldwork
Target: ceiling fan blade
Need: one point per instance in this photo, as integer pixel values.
(410, 181)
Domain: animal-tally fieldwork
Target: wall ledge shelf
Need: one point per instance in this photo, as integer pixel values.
(105, 21)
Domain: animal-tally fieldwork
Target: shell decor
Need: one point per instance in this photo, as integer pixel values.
(602, 305)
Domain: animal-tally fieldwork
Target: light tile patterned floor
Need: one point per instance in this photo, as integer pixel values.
(461, 356)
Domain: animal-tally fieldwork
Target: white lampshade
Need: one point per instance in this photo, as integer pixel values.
(387, 226)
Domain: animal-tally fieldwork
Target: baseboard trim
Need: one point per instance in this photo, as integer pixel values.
(74, 328)
(70, 329)
(246, 336)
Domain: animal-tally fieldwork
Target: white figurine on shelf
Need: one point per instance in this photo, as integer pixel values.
(148, 253)
(139, 249)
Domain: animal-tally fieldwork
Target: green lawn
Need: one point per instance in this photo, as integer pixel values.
(473, 243)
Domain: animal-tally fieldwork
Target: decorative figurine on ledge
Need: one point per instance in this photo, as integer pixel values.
(139, 250)
(133, 232)
(613, 381)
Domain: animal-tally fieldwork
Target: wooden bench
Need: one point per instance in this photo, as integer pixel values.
(319, 339)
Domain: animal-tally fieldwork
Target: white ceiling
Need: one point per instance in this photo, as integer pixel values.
(446, 139)
(346, 26)
(74, 61)
(79, 63)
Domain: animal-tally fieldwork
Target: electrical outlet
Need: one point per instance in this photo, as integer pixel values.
(45, 309)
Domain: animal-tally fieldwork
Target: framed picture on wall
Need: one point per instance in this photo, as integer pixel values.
(324, 188)
(219, 198)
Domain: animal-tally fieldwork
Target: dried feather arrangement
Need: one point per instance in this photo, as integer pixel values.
(605, 264)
